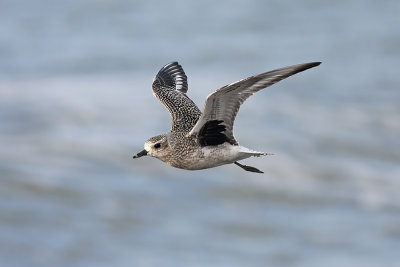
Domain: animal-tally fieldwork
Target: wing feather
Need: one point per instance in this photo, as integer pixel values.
(170, 87)
(224, 103)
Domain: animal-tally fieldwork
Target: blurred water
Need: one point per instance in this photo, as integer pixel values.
(76, 103)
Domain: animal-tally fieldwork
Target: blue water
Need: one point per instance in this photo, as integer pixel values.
(76, 104)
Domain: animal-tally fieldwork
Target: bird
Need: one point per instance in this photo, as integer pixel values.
(200, 140)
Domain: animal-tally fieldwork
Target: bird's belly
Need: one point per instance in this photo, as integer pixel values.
(213, 156)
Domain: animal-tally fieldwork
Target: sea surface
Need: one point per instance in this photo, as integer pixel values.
(76, 104)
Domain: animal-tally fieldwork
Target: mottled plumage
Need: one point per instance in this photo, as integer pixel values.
(205, 140)
(170, 87)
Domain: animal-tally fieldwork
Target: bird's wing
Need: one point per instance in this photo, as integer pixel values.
(170, 87)
(221, 106)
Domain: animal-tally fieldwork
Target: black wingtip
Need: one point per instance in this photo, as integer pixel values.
(172, 75)
(313, 64)
(170, 64)
(305, 66)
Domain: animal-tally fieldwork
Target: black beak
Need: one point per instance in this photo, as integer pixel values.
(140, 154)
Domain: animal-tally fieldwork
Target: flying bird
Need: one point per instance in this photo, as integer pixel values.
(200, 140)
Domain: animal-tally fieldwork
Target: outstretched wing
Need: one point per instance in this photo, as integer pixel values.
(222, 105)
(170, 87)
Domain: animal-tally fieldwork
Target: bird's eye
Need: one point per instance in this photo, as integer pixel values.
(158, 145)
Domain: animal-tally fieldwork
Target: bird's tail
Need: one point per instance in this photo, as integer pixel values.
(248, 152)
(259, 154)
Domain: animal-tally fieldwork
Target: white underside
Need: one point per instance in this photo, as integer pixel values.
(220, 155)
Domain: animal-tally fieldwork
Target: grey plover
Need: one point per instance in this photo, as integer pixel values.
(204, 140)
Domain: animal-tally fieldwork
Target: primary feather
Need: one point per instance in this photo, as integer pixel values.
(224, 103)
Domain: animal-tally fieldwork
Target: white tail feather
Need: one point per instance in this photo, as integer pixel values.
(254, 153)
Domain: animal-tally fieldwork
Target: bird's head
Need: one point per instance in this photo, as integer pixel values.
(156, 146)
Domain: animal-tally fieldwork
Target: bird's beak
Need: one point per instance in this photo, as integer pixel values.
(140, 154)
